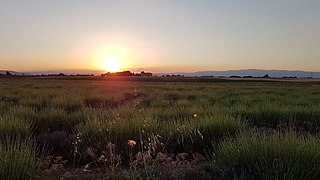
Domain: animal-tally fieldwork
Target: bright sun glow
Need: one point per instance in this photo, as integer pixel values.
(111, 58)
(112, 65)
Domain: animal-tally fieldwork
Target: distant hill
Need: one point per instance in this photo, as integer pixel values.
(244, 72)
(251, 72)
(13, 72)
(68, 72)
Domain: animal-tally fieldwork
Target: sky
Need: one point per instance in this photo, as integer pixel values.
(160, 35)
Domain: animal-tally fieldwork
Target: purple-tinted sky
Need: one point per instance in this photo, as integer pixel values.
(162, 35)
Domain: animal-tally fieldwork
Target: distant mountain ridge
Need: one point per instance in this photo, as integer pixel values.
(228, 73)
(251, 72)
(68, 72)
(13, 72)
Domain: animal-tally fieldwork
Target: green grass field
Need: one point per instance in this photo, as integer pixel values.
(246, 129)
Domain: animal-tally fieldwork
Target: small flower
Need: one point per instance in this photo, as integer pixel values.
(102, 158)
(132, 142)
(195, 115)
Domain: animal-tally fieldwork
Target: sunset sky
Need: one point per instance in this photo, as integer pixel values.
(159, 35)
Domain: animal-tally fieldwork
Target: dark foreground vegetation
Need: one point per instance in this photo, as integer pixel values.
(87, 129)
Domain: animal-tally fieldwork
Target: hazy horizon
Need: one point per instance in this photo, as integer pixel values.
(228, 72)
(160, 36)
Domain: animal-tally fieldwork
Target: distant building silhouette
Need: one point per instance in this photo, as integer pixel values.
(145, 74)
(127, 73)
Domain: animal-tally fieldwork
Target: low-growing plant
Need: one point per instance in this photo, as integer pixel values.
(215, 128)
(13, 127)
(167, 115)
(18, 159)
(271, 155)
(49, 120)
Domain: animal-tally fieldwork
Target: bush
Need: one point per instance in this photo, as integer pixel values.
(215, 128)
(49, 120)
(272, 155)
(18, 159)
(11, 127)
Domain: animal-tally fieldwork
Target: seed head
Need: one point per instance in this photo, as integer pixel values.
(132, 143)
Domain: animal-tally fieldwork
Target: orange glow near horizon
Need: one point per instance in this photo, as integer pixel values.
(112, 65)
(111, 58)
(114, 52)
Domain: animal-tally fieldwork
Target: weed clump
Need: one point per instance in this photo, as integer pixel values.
(271, 155)
(18, 159)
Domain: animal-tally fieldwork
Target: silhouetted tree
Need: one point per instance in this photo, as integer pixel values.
(266, 76)
(8, 73)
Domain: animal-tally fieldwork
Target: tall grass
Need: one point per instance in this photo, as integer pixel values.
(12, 127)
(196, 135)
(18, 159)
(185, 117)
(272, 155)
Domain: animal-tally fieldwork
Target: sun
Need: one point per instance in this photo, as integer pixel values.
(111, 58)
(111, 65)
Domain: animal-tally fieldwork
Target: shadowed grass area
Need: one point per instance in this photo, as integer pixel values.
(48, 120)
(74, 116)
(12, 127)
(194, 135)
(18, 159)
(272, 155)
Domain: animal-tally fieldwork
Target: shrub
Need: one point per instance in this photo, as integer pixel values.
(18, 159)
(12, 127)
(272, 155)
(49, 120)
(216, 127)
